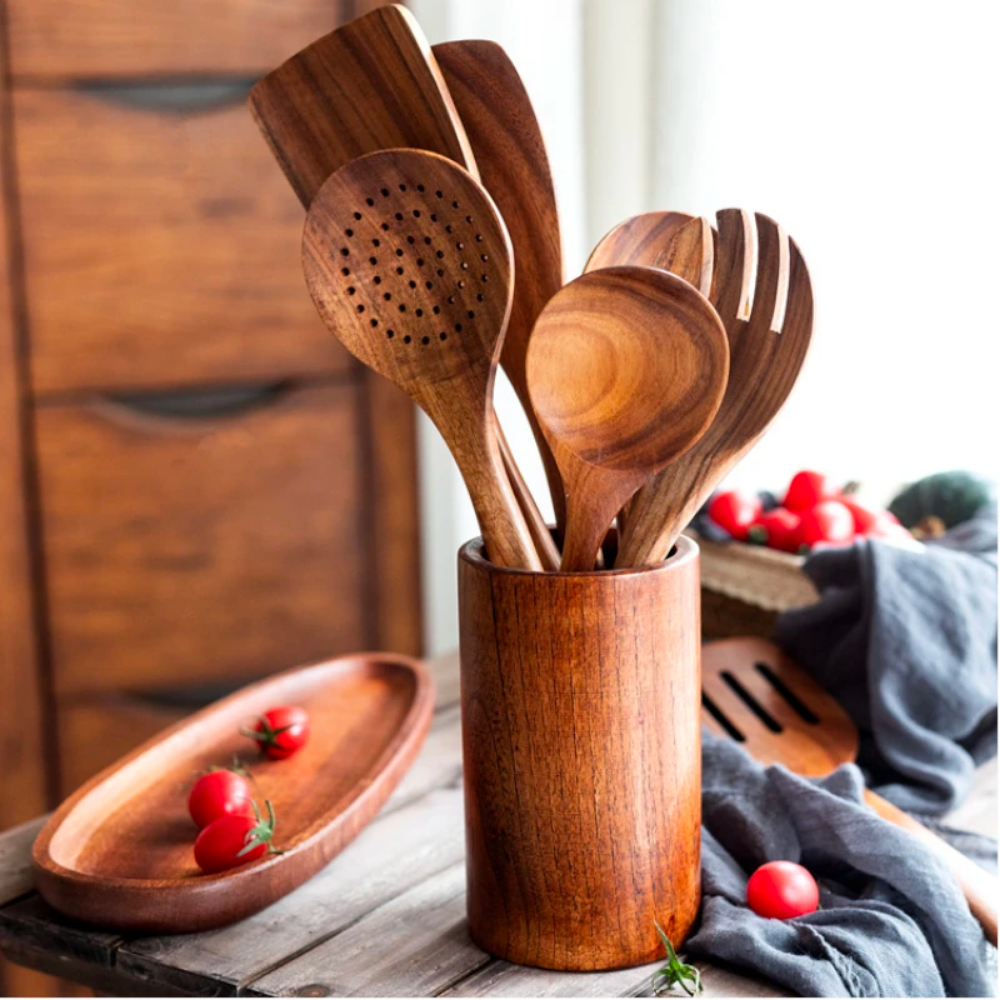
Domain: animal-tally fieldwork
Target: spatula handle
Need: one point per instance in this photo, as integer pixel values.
(980, 888)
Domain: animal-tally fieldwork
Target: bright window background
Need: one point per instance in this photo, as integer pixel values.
(868, 129)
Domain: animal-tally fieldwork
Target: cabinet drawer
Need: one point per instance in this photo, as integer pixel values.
(190, 549)
(142, 37)
(161, 245)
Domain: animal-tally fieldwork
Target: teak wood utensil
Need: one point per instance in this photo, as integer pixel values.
(409, 265)
(119, 852)
(766, 354)
(503, 131)
(626, 368)
(581, 748)
(753, 693)
(671, 241)
(372, 84)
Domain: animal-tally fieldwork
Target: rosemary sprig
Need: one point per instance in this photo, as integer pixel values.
(675, 971)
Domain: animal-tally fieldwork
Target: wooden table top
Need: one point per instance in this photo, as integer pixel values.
(385, 918)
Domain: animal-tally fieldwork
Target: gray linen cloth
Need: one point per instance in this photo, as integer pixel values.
(907, 643)
(892, 921)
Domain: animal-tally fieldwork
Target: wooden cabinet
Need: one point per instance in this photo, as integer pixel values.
(198, 485)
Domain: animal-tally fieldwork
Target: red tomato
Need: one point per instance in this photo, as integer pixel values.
(234, 840)
(808, 489)
(220, 793)
(782, 889)
(735, 512)
(829, 521)
(867, 520)
(281, 731)
(777, 529)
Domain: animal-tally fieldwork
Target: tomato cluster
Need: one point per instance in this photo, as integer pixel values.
(221, 801)
(815, 511)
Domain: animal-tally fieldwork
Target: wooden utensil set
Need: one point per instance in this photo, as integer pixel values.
(428, 190)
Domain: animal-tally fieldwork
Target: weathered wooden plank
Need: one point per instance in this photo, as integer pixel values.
(415, 945)
(439, 764)
(33, 925)
(446, 674)
(501, 979)
(394, 853)
(15, 859)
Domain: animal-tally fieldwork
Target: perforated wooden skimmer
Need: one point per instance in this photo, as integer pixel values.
(409, 264)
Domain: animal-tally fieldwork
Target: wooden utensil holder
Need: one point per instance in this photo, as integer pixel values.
(582, 755)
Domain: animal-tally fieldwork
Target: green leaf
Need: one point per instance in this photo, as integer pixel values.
(675, 972)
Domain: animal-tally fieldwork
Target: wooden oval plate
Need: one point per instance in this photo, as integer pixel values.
(119, 852)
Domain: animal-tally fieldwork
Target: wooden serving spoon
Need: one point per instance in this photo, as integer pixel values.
(372, 84)
(754, 694)
(503, 131)
(626, 368)
(767, 350)
(409, 265)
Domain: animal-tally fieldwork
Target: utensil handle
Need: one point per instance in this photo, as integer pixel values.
(539, 530)
(980, 888)
(505, 530)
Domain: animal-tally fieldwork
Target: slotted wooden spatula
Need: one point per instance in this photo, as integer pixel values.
(754, 694)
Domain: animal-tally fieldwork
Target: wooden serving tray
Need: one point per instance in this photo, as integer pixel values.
(119, 852)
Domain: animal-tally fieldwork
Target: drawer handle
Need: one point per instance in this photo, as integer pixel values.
(202, 404)
(170, 98)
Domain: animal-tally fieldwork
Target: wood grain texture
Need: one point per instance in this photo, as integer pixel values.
(118, 853)
(409, 266)
(582, 760)
(360, 89)
(785, 717)
(510, 153)
(160, 248)
(626, 368)
(766, 354)
(23, 775)
(187, 550)
(115, 38)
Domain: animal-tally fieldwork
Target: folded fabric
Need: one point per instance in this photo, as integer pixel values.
(906, 641)
(892, 921)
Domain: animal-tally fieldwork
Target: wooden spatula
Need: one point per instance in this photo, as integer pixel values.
(766, 353)
(409, 265)
(502, 129)
(626, 368)
(754, 694)
(372, 84)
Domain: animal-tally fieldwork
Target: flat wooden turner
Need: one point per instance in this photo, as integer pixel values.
(754, 694)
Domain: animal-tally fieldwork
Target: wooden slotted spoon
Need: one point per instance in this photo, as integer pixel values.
(372, 84)
(754, 694)
(767, 348)
(409, 265)
(626, 368)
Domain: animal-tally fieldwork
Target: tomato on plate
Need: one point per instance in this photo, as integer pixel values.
(777, 529)
(808, 489)
(734, 511)
(280, 731)
(234, 840)
(829, 522)
(219, 793)
(782, 889)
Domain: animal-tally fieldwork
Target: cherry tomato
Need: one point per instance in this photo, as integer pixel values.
(234, 840)
(867, 519)
(829, 522)
(220, 793)
(777, 529)
(735, 511)
(782, 889)
(280, 732)
(808, 489)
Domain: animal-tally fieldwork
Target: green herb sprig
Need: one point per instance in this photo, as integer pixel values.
(675, 972)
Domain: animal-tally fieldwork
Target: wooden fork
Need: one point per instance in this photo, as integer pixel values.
(763, 295)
